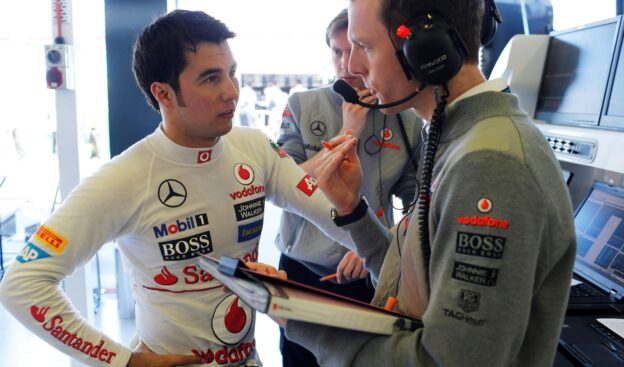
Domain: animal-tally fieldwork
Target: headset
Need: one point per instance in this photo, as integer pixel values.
(432, 51)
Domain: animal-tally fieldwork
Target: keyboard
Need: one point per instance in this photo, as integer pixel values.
(585, 290)
(616, 343)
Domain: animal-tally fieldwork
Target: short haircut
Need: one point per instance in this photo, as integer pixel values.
(463, 15)
(339, 23)
(159, 50)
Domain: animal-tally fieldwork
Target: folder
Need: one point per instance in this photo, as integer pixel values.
(296, 301)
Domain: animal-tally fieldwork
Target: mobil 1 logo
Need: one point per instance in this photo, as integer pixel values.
(481, 245)
(186, 247)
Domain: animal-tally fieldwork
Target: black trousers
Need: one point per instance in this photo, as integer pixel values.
(293, 354)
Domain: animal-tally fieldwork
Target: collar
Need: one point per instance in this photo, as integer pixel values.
(494, 85)
(168, 150)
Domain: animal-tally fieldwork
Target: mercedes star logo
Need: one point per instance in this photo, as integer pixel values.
(172, 193)
(318, 128)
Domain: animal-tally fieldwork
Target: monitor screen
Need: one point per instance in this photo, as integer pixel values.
(576, 73)
(613, 110)
(599, 224)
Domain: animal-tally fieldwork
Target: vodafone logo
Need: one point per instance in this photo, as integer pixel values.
(243, 173)
(484, 205)
(204, 156)
(232, 320)
(386, 134)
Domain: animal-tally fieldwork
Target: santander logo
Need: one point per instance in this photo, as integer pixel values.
(243, 173)
(165, 277)
(39, 313)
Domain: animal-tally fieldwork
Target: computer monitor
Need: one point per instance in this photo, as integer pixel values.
(613, 109)
(599, 224)
(576, 73)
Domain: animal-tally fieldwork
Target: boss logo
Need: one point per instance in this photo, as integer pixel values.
(476, 244)
(187, 247)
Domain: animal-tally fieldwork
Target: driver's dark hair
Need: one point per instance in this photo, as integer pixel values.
(159, 50)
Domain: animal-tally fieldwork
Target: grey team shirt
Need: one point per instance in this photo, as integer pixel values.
(503, 248)
(165, 205)
(316, 115)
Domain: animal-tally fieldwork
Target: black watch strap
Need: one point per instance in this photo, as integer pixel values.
(358, 213)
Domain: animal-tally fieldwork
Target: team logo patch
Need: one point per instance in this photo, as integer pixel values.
(249, 209)
(286, 112)
(189, 222)
(30, 252)
(475, 274)
(243, 173)
(481, 245)
(249, 231)
(204, 156)
(232, 320)
(172, 193)
(54, 326)
(307, 185)
(468, 300)
(52, 239)
(484, 205)
(165, 277)
(483, 221)
(460, 316)
(386, 134)
(385, 144)
(318, 128)
(187, 247)
(314, 148)
(279, 150)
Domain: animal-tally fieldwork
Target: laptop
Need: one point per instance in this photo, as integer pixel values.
(587, 342)
(599, 264)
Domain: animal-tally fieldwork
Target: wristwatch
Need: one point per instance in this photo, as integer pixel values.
(357, 214)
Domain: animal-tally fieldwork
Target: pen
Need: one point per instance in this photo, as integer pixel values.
(327, 145)
(390, 303)
(328, 277)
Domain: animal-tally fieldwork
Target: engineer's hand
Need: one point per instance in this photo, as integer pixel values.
(339, 174)
(354, 115)
(142, 356)
(350, 268)
(266, 269)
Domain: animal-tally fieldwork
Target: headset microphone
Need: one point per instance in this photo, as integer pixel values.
(350, 95)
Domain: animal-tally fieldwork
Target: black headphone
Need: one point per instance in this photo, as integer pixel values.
(491, 19)
(432, 51)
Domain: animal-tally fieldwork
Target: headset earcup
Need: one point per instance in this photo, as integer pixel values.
(432, 52)
(489, 22)
(488, 27)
